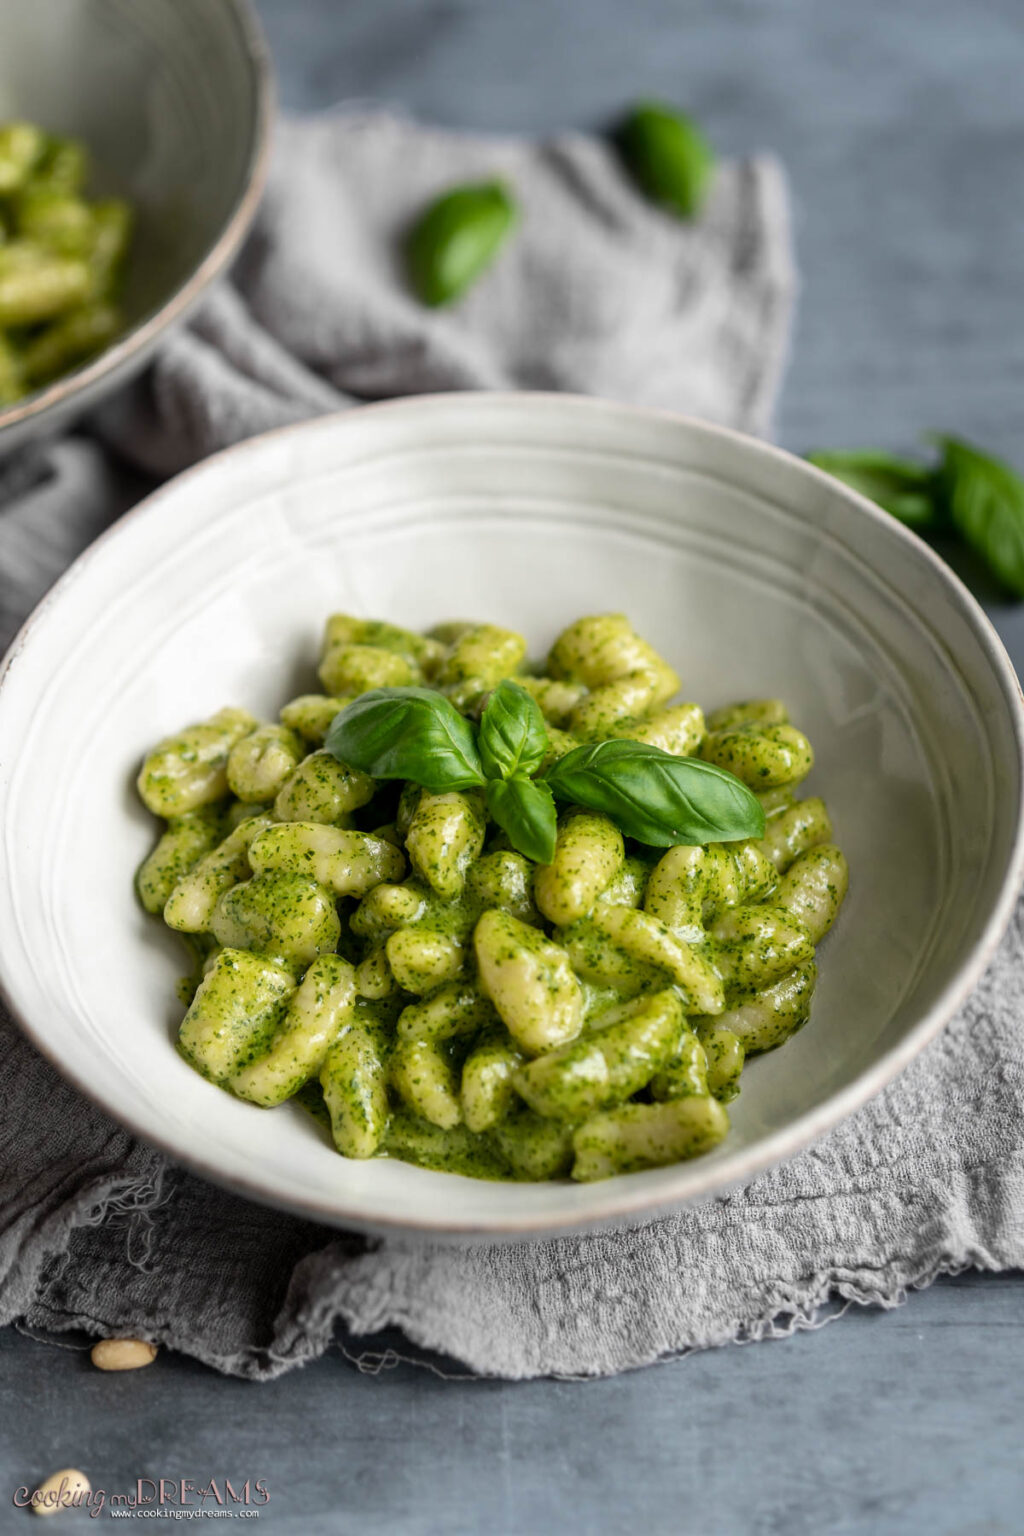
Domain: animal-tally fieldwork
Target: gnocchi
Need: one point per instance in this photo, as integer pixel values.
(381, 953)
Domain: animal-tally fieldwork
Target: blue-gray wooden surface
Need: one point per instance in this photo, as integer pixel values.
(902, 124)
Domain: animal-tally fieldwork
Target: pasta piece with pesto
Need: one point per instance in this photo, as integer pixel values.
(374, 977)
(193, 901)
(322, 789)
(421, 960)
(445, 835)
(455, 1010)
(347, 863)
(504, 879)
(354, 1079)
(751, 712)
(423, 1073)
(767, 1018)
(679, 729)
(319, 1007)
(311, 714)
(756, 945)
(62, 256)
(608, 1064)
(288, 917)
(487, 1090)
(422, 653)
(187, 838)
(259, 763)
(625, 676)
(530, 982)
(632, 951)
(725, 1055)
(479, 656)
(795, 830)
(557, 699)
(452, 1150)
(764, 757)
(637, 1136)
(186, 771)
(348, 667)
(685, 1071)
(814, 888)
(588, 855)
(235, 1013)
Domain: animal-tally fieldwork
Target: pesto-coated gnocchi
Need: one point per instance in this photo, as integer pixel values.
(386, 956)
(62, 258)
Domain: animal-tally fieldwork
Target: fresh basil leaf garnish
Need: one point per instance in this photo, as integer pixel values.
(669, 157)
(525, 809)
(407, 733)
(903, 487)
(984, 498)
(660, 799)
(457, 237)
(656, 797)
(513, 737)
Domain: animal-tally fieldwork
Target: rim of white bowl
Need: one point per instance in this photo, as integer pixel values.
(216, 257)
(623, 1201)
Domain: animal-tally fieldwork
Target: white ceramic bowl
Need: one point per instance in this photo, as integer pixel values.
(173, 100)
(754, 573)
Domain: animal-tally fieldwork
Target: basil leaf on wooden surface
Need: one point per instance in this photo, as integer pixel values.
(656, 797)
(513, 737)
(525, 810)
(456, 238)
(407, 733)
(669, 157)
(984, 499)
(903, 487)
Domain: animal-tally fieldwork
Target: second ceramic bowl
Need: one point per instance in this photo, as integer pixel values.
(173, 100)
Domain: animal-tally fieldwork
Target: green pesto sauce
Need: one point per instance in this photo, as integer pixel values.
(415, 1140)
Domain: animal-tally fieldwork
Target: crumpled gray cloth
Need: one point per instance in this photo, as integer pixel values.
(600, 293)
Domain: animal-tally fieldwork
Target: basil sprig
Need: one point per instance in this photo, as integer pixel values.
(656, 797)
(653, 796)
(525, 809)
(457, 237)
(984, 499)
(669, 156)
(513, 743)
(903, 487)
(513, 737)
(967, 494)
(408, 733)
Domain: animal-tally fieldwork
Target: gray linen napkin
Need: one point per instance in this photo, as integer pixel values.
(600, 293)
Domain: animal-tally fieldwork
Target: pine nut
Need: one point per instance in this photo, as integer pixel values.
(122, 1354)
(59, 1490)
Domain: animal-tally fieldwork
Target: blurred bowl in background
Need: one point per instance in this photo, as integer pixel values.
(173, 99)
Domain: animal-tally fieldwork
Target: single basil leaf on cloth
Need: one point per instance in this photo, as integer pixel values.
(669, 157)
(525, 809)
(906, 489)
(407, 733)
(985, 502)
(656, 797)
(456, 238)
(513, 737)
